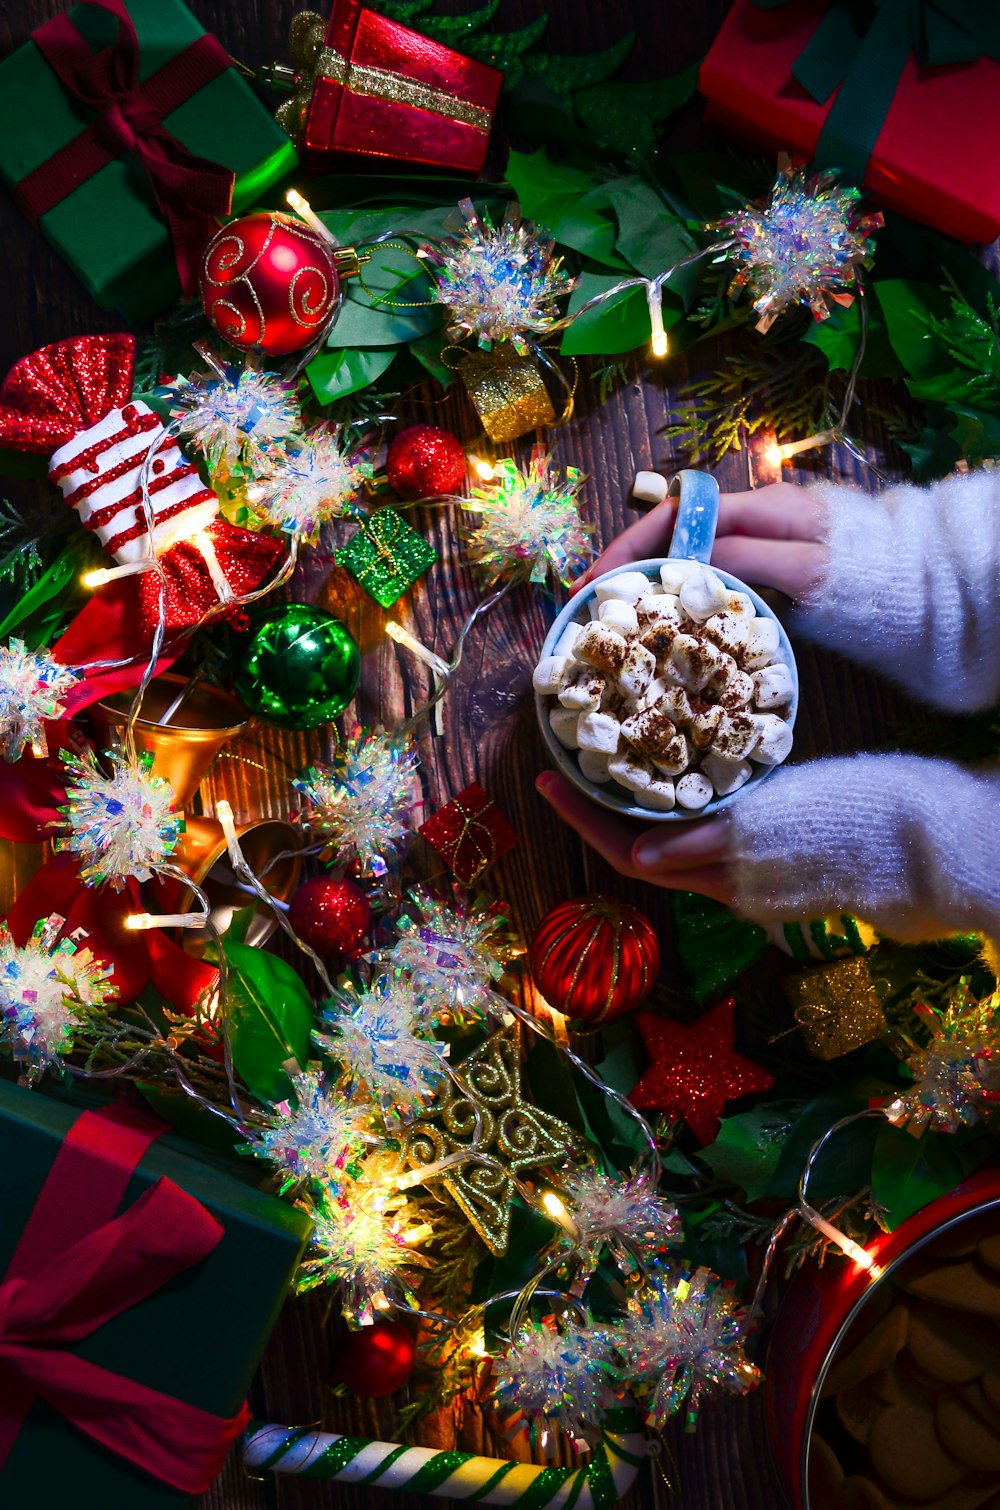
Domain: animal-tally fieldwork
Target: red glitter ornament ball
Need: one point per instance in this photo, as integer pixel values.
(377, 1360)
(330, 916)
(595, 958)
(269, 281)
(425, 462)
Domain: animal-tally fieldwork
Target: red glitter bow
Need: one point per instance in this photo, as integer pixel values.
(78, 1264)
(48, 398)
(191, 191)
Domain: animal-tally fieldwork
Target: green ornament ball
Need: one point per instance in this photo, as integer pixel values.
(300, 669)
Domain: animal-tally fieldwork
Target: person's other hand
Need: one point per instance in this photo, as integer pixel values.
(770, 536)
(680, 856)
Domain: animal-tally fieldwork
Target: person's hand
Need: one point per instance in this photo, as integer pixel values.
(771, 536)
(680, 856)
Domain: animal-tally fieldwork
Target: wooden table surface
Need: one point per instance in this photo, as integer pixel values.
(490, 734)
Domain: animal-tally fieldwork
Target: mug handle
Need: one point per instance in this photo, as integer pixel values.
(697, 515)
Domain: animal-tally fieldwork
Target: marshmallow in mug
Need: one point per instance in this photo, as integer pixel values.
(672, 691)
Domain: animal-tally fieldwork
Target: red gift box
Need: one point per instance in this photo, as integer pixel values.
(382, 90)
(941, 127)
(470, 833)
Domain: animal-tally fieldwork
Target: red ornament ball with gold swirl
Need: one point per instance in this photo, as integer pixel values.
(595, 958)
(270, 282)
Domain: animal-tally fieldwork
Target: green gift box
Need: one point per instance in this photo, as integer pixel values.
(197, 1338)
(109, 227)
(386, 556)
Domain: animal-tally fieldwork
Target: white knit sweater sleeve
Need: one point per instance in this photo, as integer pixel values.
(909, 845)
(912, 587)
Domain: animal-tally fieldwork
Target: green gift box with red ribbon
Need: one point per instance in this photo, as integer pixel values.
(124, 135)
(139, 1282)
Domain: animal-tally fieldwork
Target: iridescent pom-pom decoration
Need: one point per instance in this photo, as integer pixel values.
(804, 245)
(239, 419)
(366, 1246)
(682, 1339)
(556, 1379)
(956, 1075)
(32, 688)
(315, 1138)
(381, 1056)
(620, 1213)
(454, 958)
(313, 480)
(362, 801)
(500, 283)
(48, 989)
(528, 523)
(122, 823)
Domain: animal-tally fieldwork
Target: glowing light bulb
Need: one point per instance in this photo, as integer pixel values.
(654, 298)
(557, 1210)
(484, 469)
(305, 211)
(142, 922)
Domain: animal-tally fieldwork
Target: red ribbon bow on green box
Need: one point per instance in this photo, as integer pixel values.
(78, 1265)
(191, 191)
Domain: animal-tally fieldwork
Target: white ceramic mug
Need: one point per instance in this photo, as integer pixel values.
(692, 540)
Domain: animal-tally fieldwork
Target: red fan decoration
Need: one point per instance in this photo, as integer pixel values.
(595, 958)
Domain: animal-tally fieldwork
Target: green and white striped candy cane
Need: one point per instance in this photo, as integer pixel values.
(456, 1475)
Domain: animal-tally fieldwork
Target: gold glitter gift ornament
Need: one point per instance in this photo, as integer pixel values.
(837, 1007)
(506, 390)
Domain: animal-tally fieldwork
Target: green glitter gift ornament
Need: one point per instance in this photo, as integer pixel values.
(386, 556)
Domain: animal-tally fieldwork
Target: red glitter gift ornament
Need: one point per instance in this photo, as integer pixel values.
(270, 282)
(470, 833)
(595, 959)
(425, 462)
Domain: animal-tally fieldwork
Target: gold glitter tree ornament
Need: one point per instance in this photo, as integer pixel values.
(514, 1137)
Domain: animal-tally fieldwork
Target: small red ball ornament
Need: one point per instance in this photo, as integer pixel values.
(595, 958)
(270, 282)
(377, 1360)
(330, 916)
(425, 462)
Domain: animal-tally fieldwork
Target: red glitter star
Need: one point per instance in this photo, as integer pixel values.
(695, 1068)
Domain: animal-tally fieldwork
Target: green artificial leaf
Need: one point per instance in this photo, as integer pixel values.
(590, 228)
(845, 1164)
(503, 50)
(908, 1173)
(625, 117)
(271, 1018)
(716, 1245)
(839, 335)
(650, 237)
(748, 1147)
(907, 309)
(933, 454)
(403, 312)
(976, 432)
(546, 191)
(701, 187)
(404, 10)
(563, 73)
(456, 31)
(190, 1118)
(44, 606)
(427, 351)
(239, 923)
(621, 324)
(547, 1067)
(335, 374)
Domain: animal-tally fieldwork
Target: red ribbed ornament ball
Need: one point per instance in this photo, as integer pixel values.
(377, 1360)
(331, 916)
(269, 281)
(425, 462)
(595, 959)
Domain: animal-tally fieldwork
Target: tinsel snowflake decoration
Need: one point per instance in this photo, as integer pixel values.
(529, 523)
(556, 1379)
(239, 418)
(315, 1138)
(381, 1054)
(500, 283)
(361, 802)
(121, 822)
(32, 688)
(454, 959)
(956, 1077)
(681, 1339)
(367, 1247)
(623, 1214)
(311, 482)
(47, 990)
(805, 245)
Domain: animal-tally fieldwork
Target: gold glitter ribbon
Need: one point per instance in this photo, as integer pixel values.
(315, 61)
(471, 821)
(383, 548)
(506, 389)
